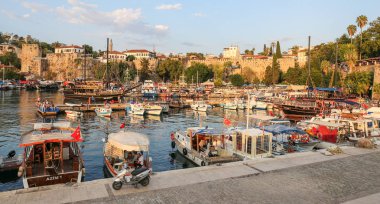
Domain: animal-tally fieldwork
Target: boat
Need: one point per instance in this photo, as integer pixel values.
(199, 106)
(121, 150)
(46, 110)
(164, 105)
(52, 155)
(202, 145)
(90, 89)
(230, 106)
(11, 162)
(137, 109)
(176, 104)
(103, 112)
(73, 114)
(241, 105)
(152, 109)
(149, 90)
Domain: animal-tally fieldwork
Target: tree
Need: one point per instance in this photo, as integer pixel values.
(87, 49)
(10, 58)
(371, 40)
(249, 75)
(170, 69)
(237, 80)
(46, 48)
(295, 49)
(201, 70)
(272, 76)
(361, 22)
(358, 82)
(130, 58)
(351, 29)
(227, 70)
(278, 50)
(198, 55)
(144, 72)
(296, 75)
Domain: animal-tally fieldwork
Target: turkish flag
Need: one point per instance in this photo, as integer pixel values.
(122, 125)
(226, 122)
(76, 134)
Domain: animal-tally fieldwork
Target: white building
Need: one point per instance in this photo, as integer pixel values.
(69, 49)
(116, 56)
(232, 52)
(139, 54)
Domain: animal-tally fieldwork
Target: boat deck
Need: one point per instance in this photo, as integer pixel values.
(38, 169)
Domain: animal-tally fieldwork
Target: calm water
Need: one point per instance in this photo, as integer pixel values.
(18, 112)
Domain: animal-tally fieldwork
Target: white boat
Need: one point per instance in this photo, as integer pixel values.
(199, 106)
(153, 109)
(261, 105)
(241, 105)
(137, 109)
(164, 105)
(73, 113)
(230, 106)
(125, 145)
(203, 146)
(103, 112)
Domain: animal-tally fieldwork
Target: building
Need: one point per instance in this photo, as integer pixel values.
(5, 48)
(232, 52)
(115, 56)
(140, 54)
(69, 49)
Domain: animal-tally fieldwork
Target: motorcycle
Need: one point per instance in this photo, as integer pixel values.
(137, 176)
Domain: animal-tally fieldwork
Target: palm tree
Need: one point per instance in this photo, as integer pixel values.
(361, 21)
(351, 29)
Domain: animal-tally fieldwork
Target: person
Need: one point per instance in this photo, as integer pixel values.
(125, 164)
(140, 160)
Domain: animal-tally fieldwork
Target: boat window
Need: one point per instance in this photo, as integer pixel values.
(239, 142)
(370, 124)
(249, 145)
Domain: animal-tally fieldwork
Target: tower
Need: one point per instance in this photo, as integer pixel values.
(110, 46)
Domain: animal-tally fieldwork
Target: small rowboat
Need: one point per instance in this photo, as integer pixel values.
(73, 113)
(51, 111)
(103, 112)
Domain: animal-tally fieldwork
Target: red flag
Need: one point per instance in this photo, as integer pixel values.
(226, 122)
(76, 134)
(122, 125)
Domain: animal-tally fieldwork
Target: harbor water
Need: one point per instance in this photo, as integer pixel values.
(18, 113)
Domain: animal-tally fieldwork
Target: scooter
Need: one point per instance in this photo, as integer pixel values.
(137, 176)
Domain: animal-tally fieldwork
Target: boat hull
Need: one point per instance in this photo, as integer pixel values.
(103, 112)
(52, 179)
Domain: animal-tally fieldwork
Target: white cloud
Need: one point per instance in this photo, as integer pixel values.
(27, 15)
(199, 15)
(169, 7)
(34, 7)
(161, 27)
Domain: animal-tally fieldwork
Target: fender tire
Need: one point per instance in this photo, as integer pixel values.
(184, 151)
(117, 185)
(145, 181)
(203, 163)
(173, 144)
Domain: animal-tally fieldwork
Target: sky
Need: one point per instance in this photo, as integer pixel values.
(174, 26)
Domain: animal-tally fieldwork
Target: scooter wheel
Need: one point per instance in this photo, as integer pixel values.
(145, 181)
(117, 185)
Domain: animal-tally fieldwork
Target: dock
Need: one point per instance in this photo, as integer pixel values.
(90, 107)
(307, 177)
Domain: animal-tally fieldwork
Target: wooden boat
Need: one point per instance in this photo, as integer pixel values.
(202, 146)
(164, 106)
(103, 112)
(51, 155)
(125, 145)
(50, 111)
(176, 104)
(90, 89)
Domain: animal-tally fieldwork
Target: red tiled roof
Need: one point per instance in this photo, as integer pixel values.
(115, 52)
(129, 51)
(70, 46)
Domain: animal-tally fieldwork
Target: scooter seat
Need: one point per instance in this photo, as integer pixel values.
(138, 171)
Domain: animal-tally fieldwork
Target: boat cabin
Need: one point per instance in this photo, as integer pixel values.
(124, 149)
(51, 155)
(251, 143)
(265, 120)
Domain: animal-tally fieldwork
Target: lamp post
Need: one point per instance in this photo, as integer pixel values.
(273, 62)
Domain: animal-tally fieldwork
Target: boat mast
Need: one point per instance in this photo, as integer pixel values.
(309, 80)
(107, 80)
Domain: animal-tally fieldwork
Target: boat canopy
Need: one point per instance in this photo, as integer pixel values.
(325, 123)
(323, 89)
(129, 141)
(255, 132)
(48, 132)
(282, 129)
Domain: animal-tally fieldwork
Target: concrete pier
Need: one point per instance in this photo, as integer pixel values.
(309, 177)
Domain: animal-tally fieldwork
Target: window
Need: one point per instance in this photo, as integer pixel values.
(239, 142)
(249, 145)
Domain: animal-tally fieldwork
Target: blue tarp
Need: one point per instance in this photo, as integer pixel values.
(281, 129)
(323, 89)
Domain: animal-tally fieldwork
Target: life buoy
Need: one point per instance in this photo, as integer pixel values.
(172, 136)
(173, 144)
(203, 163)
(305, 139)
(184, 151)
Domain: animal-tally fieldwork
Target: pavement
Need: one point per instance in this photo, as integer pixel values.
(309, 177)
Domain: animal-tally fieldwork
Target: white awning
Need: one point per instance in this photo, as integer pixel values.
(130, 141)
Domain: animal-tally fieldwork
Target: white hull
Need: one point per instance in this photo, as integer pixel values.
(74, 114)
(199, 108)
(230, 107)
(153, 112)
(138, 112)
(261, 105)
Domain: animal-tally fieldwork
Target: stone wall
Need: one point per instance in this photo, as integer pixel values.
(31, 59)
